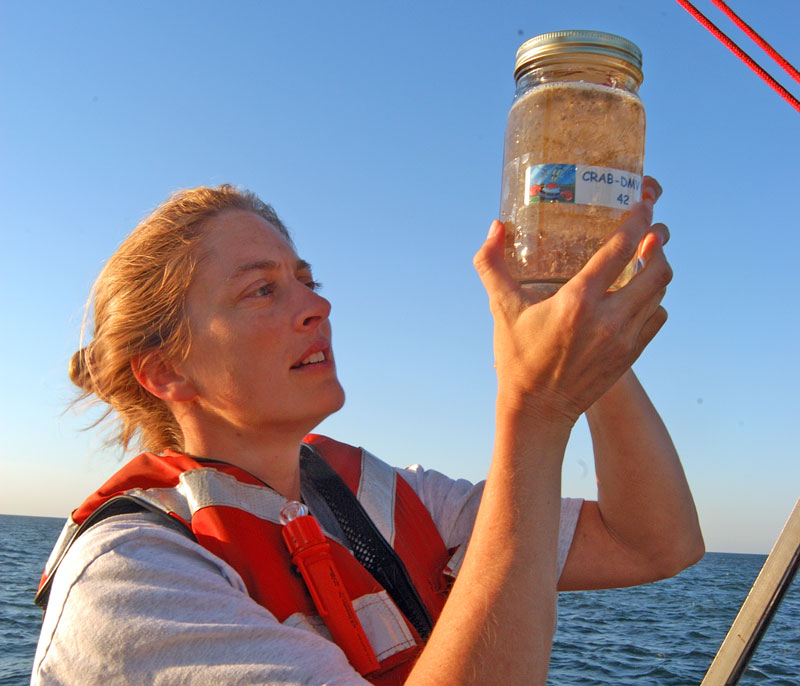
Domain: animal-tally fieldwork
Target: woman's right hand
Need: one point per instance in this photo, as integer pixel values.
(556, 357)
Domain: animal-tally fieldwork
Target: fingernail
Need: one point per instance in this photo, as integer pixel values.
(652, 237)
(653, 193)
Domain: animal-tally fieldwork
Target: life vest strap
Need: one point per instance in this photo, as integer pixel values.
(118, 505)
(367, 543)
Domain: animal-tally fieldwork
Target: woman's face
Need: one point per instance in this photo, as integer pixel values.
(260, 356)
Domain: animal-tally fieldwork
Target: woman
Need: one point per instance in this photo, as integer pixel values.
(212, 346)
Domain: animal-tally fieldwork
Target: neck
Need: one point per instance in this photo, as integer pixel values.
(274, 460)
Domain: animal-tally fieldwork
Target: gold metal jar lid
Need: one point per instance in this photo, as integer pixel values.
(551, 47)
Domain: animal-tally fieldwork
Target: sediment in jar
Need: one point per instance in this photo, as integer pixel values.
(565, 123)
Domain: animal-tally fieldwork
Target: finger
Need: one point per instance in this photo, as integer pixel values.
(491, 265)
(657, 237)
(662, 230)
(650, 328)
(651, 247)
(649, 315)
(608, 262)
(651, 188)
(644, 313)
(652, 278)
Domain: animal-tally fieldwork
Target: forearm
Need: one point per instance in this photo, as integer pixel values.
(496, 627)
(554, 359)
(643, 495)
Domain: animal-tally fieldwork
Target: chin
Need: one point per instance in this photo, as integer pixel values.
(337, 402)
(334, 403)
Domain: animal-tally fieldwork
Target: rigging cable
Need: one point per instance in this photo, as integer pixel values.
(758, 40)
(741, 54)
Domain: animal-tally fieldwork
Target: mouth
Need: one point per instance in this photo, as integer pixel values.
(319, 353)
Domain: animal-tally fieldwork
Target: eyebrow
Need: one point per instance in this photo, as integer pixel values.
(266, 266)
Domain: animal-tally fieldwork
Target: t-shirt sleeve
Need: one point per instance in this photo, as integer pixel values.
(137, 602)
(453, 504)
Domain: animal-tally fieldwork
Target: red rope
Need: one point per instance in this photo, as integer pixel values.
(741, 54)
(766, 47)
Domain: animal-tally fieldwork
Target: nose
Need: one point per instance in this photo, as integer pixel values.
(313, 309)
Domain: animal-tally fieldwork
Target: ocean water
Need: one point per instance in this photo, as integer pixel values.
(665, 634)
(25, 543)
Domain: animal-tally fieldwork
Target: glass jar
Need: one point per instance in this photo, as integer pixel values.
(574, 152)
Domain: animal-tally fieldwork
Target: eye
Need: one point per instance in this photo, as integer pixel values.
(262, 290)
(304, 276)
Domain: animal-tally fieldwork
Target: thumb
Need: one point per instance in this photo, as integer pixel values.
(491, 265)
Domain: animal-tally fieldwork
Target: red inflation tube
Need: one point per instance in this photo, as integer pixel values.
(311, 554)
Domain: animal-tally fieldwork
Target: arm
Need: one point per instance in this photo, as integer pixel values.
(137, 602)
(453, 505)
(644, 526)
(496, 627)
(554, 360)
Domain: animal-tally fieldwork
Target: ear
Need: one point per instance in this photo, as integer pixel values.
(159, 376)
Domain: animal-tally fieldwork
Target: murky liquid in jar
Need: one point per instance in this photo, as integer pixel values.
(565, 123)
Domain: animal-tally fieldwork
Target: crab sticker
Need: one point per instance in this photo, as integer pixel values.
(550, 183)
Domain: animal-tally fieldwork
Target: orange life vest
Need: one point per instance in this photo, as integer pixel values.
(227, 510)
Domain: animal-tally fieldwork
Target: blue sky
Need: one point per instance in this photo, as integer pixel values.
(376, 130)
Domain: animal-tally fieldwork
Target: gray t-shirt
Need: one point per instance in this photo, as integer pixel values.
(136, 602)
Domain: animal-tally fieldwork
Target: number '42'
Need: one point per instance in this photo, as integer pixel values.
(623, 199)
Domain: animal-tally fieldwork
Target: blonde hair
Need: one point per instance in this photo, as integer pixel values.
(138, 301)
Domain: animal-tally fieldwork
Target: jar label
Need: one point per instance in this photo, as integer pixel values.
(582, 185)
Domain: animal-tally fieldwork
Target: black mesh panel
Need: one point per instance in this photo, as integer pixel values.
(369, 546)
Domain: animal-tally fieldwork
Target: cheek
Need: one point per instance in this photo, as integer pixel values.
(211, 352)
(233, 354)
